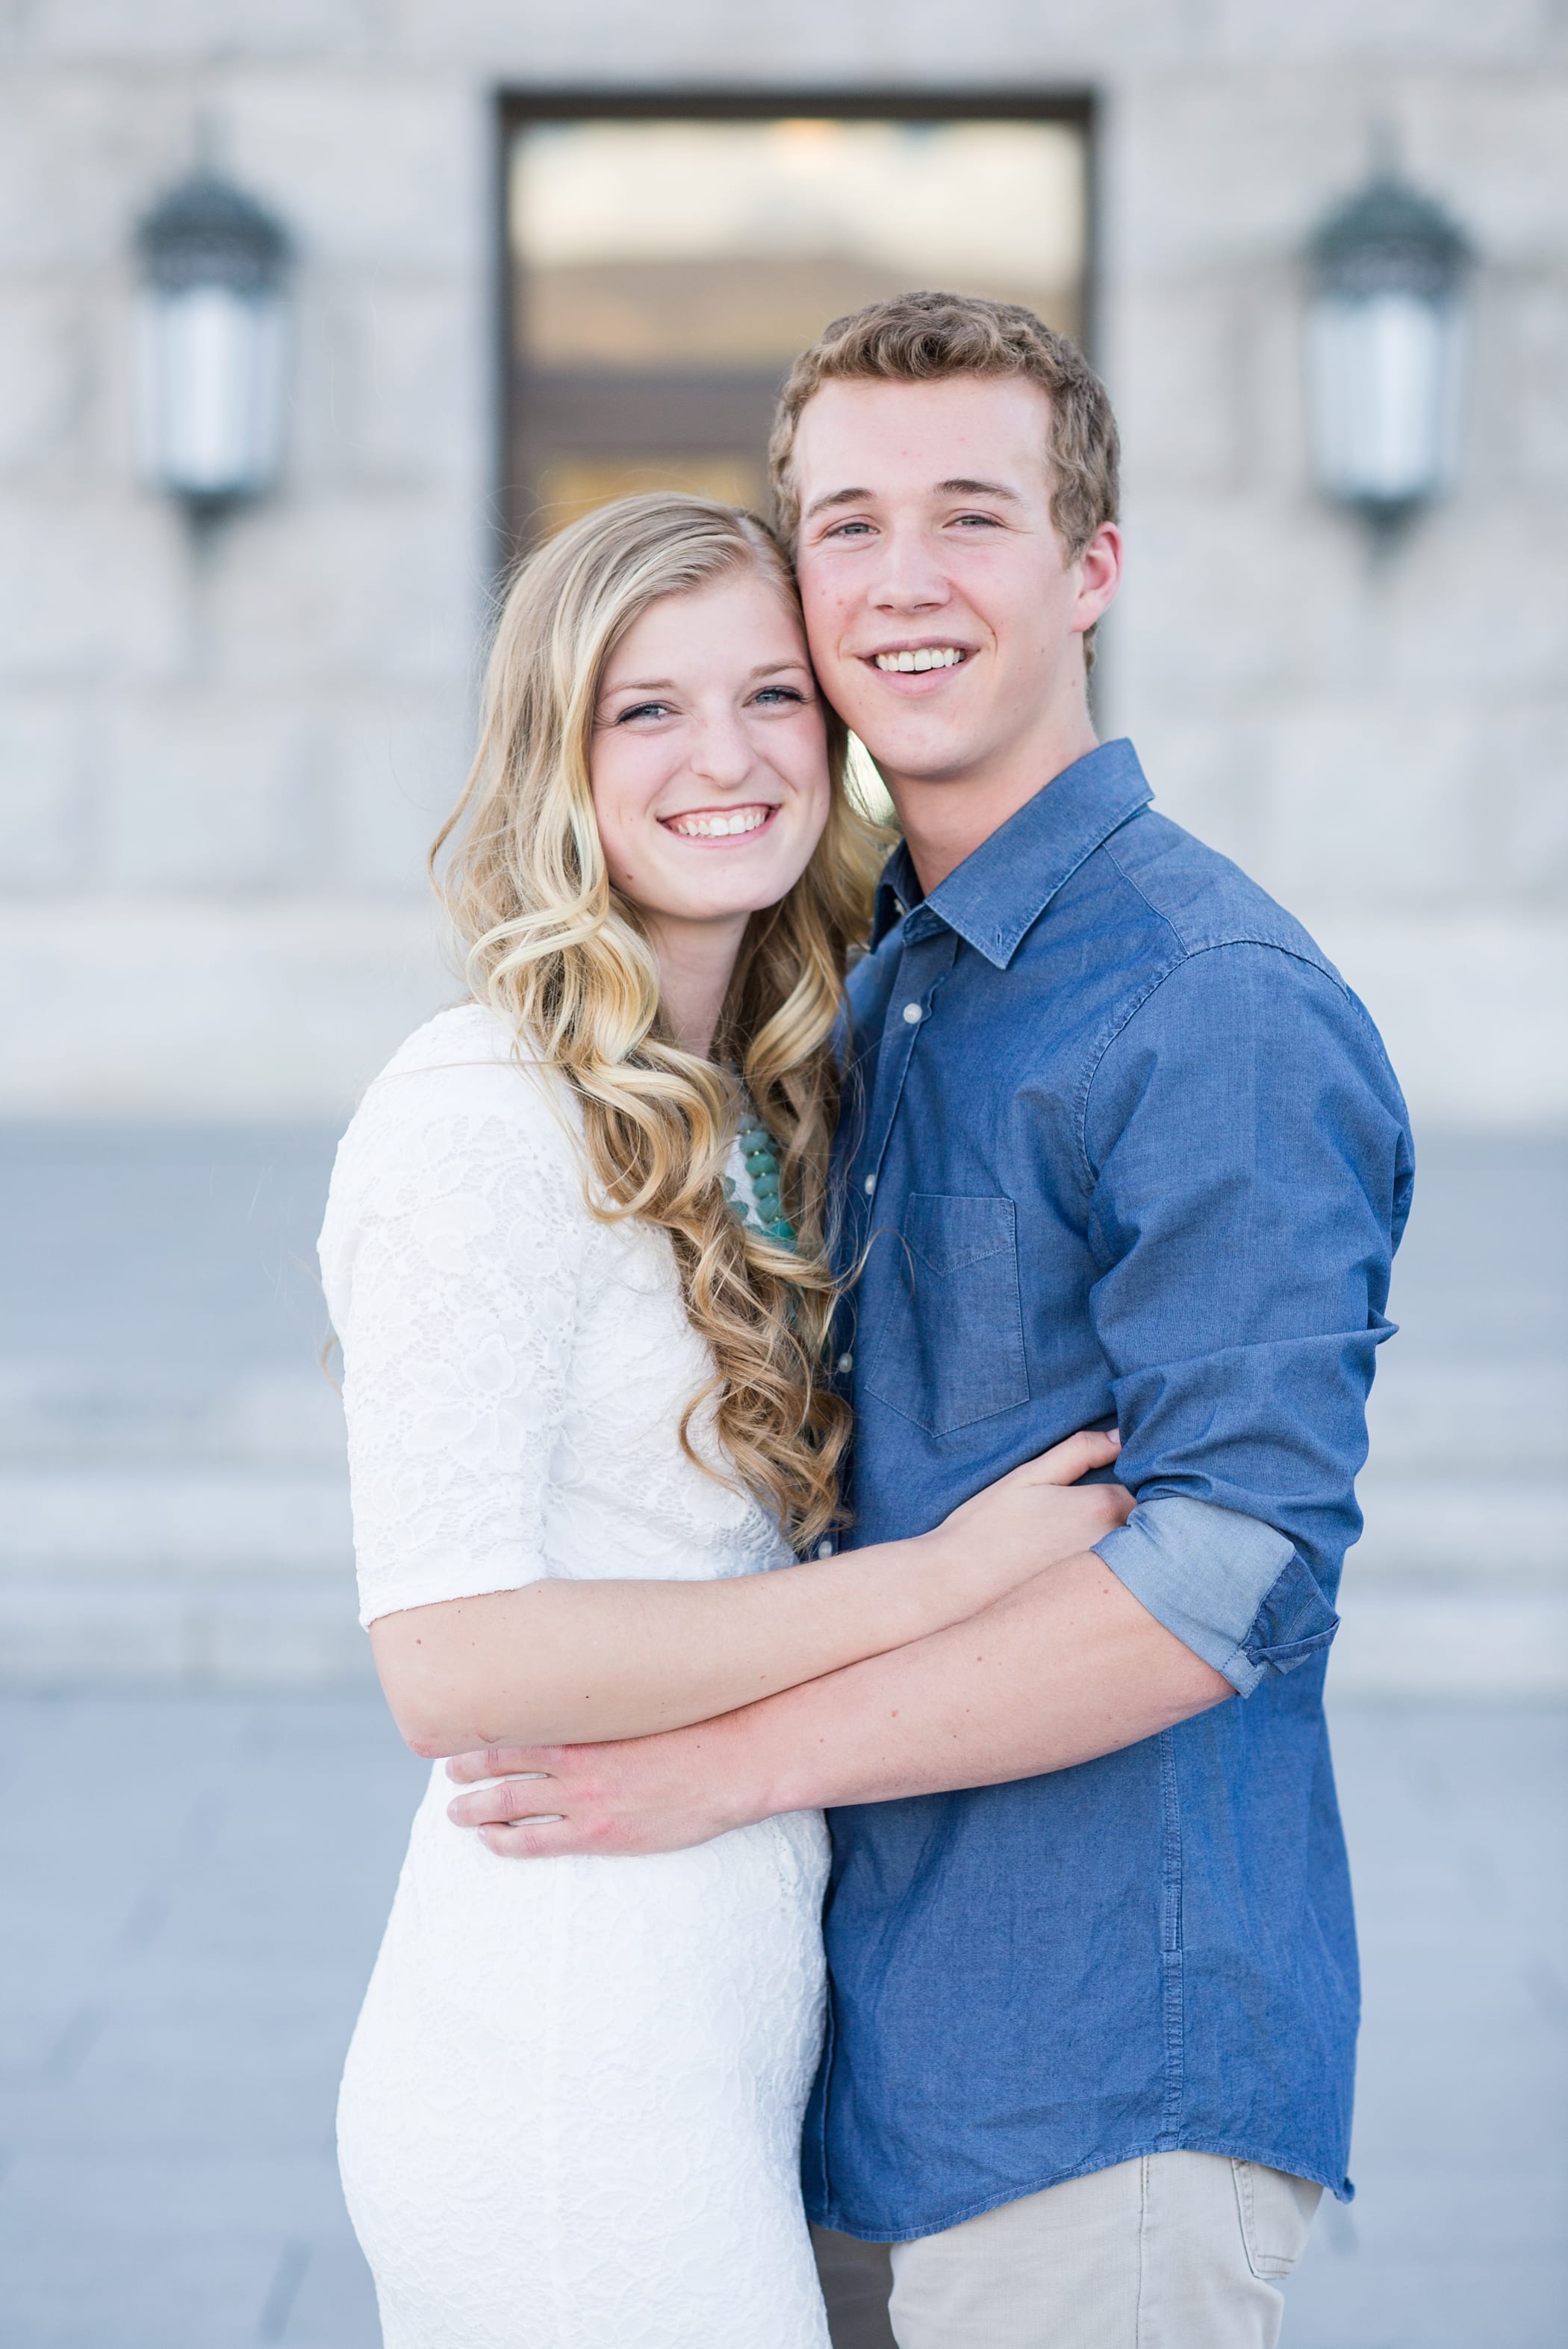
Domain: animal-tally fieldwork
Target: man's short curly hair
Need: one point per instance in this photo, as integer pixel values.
(924, 337)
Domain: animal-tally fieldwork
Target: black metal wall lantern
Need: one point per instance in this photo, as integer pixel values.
(1385, 340)
(213, 344)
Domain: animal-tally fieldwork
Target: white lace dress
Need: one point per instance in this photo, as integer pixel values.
(571, 2113)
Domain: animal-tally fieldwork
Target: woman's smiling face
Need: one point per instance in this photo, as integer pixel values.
(708, 763)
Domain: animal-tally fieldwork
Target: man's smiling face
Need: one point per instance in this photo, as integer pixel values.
(945, 621)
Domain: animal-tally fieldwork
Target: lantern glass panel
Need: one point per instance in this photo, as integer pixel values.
(212, 363)
(1385, 370)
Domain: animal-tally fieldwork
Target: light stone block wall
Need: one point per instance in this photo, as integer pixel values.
(224, 757)
(219, 765)
(1381, 738)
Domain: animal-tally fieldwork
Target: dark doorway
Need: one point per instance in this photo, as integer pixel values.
(665, 259)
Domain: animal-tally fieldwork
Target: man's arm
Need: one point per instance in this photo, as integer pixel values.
(1068, 1668)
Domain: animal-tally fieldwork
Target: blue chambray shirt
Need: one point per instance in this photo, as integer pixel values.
(1120, 1144)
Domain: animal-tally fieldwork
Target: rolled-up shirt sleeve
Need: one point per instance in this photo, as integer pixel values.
(1205, 1574)
(1250, 1169)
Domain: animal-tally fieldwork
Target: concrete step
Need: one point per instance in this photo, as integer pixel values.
(179, 1531)
(1468, 1419)
(175, 1533)
(76, 1418)
(1489, 1531)
(199, 1523)
(1427, 1641)
(1459, 1584)
(245, 1630)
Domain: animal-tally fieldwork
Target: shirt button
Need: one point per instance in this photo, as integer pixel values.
(911, 1012)
(824, 1549)
(871, 1185)
(845, 1365)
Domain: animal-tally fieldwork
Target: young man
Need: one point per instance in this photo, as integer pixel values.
(1117, 1144)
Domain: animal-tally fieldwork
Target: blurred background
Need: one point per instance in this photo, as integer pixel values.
(312, 315)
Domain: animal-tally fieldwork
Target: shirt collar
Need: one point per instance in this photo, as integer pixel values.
(1000, 891)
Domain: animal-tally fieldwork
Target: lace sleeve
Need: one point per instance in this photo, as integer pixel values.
(453, 1246)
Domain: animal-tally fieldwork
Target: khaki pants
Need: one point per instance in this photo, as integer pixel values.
(1176, 2250)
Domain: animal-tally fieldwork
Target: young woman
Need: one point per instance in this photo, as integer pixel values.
(575, 1255)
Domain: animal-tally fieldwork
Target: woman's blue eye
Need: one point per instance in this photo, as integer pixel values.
(643, 709)
(780, 693)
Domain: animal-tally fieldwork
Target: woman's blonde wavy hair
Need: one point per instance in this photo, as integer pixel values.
(563, 957)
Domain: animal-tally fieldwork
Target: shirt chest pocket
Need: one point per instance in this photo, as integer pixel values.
(949, 1348)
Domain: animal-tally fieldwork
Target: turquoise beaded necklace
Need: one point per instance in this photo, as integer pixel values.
(761, 1161)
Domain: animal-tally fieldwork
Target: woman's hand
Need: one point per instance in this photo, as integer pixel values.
(562, 1662)
(1028, 1520)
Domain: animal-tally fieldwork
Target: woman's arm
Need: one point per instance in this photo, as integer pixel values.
(581, 1662)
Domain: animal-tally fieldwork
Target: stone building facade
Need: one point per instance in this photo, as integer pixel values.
(221, 755)
(221, 762)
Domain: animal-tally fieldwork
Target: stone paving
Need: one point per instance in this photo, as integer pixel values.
(196, 1885)
(180, 1973)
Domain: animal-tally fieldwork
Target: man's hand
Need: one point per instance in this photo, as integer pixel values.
(635, 1794)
